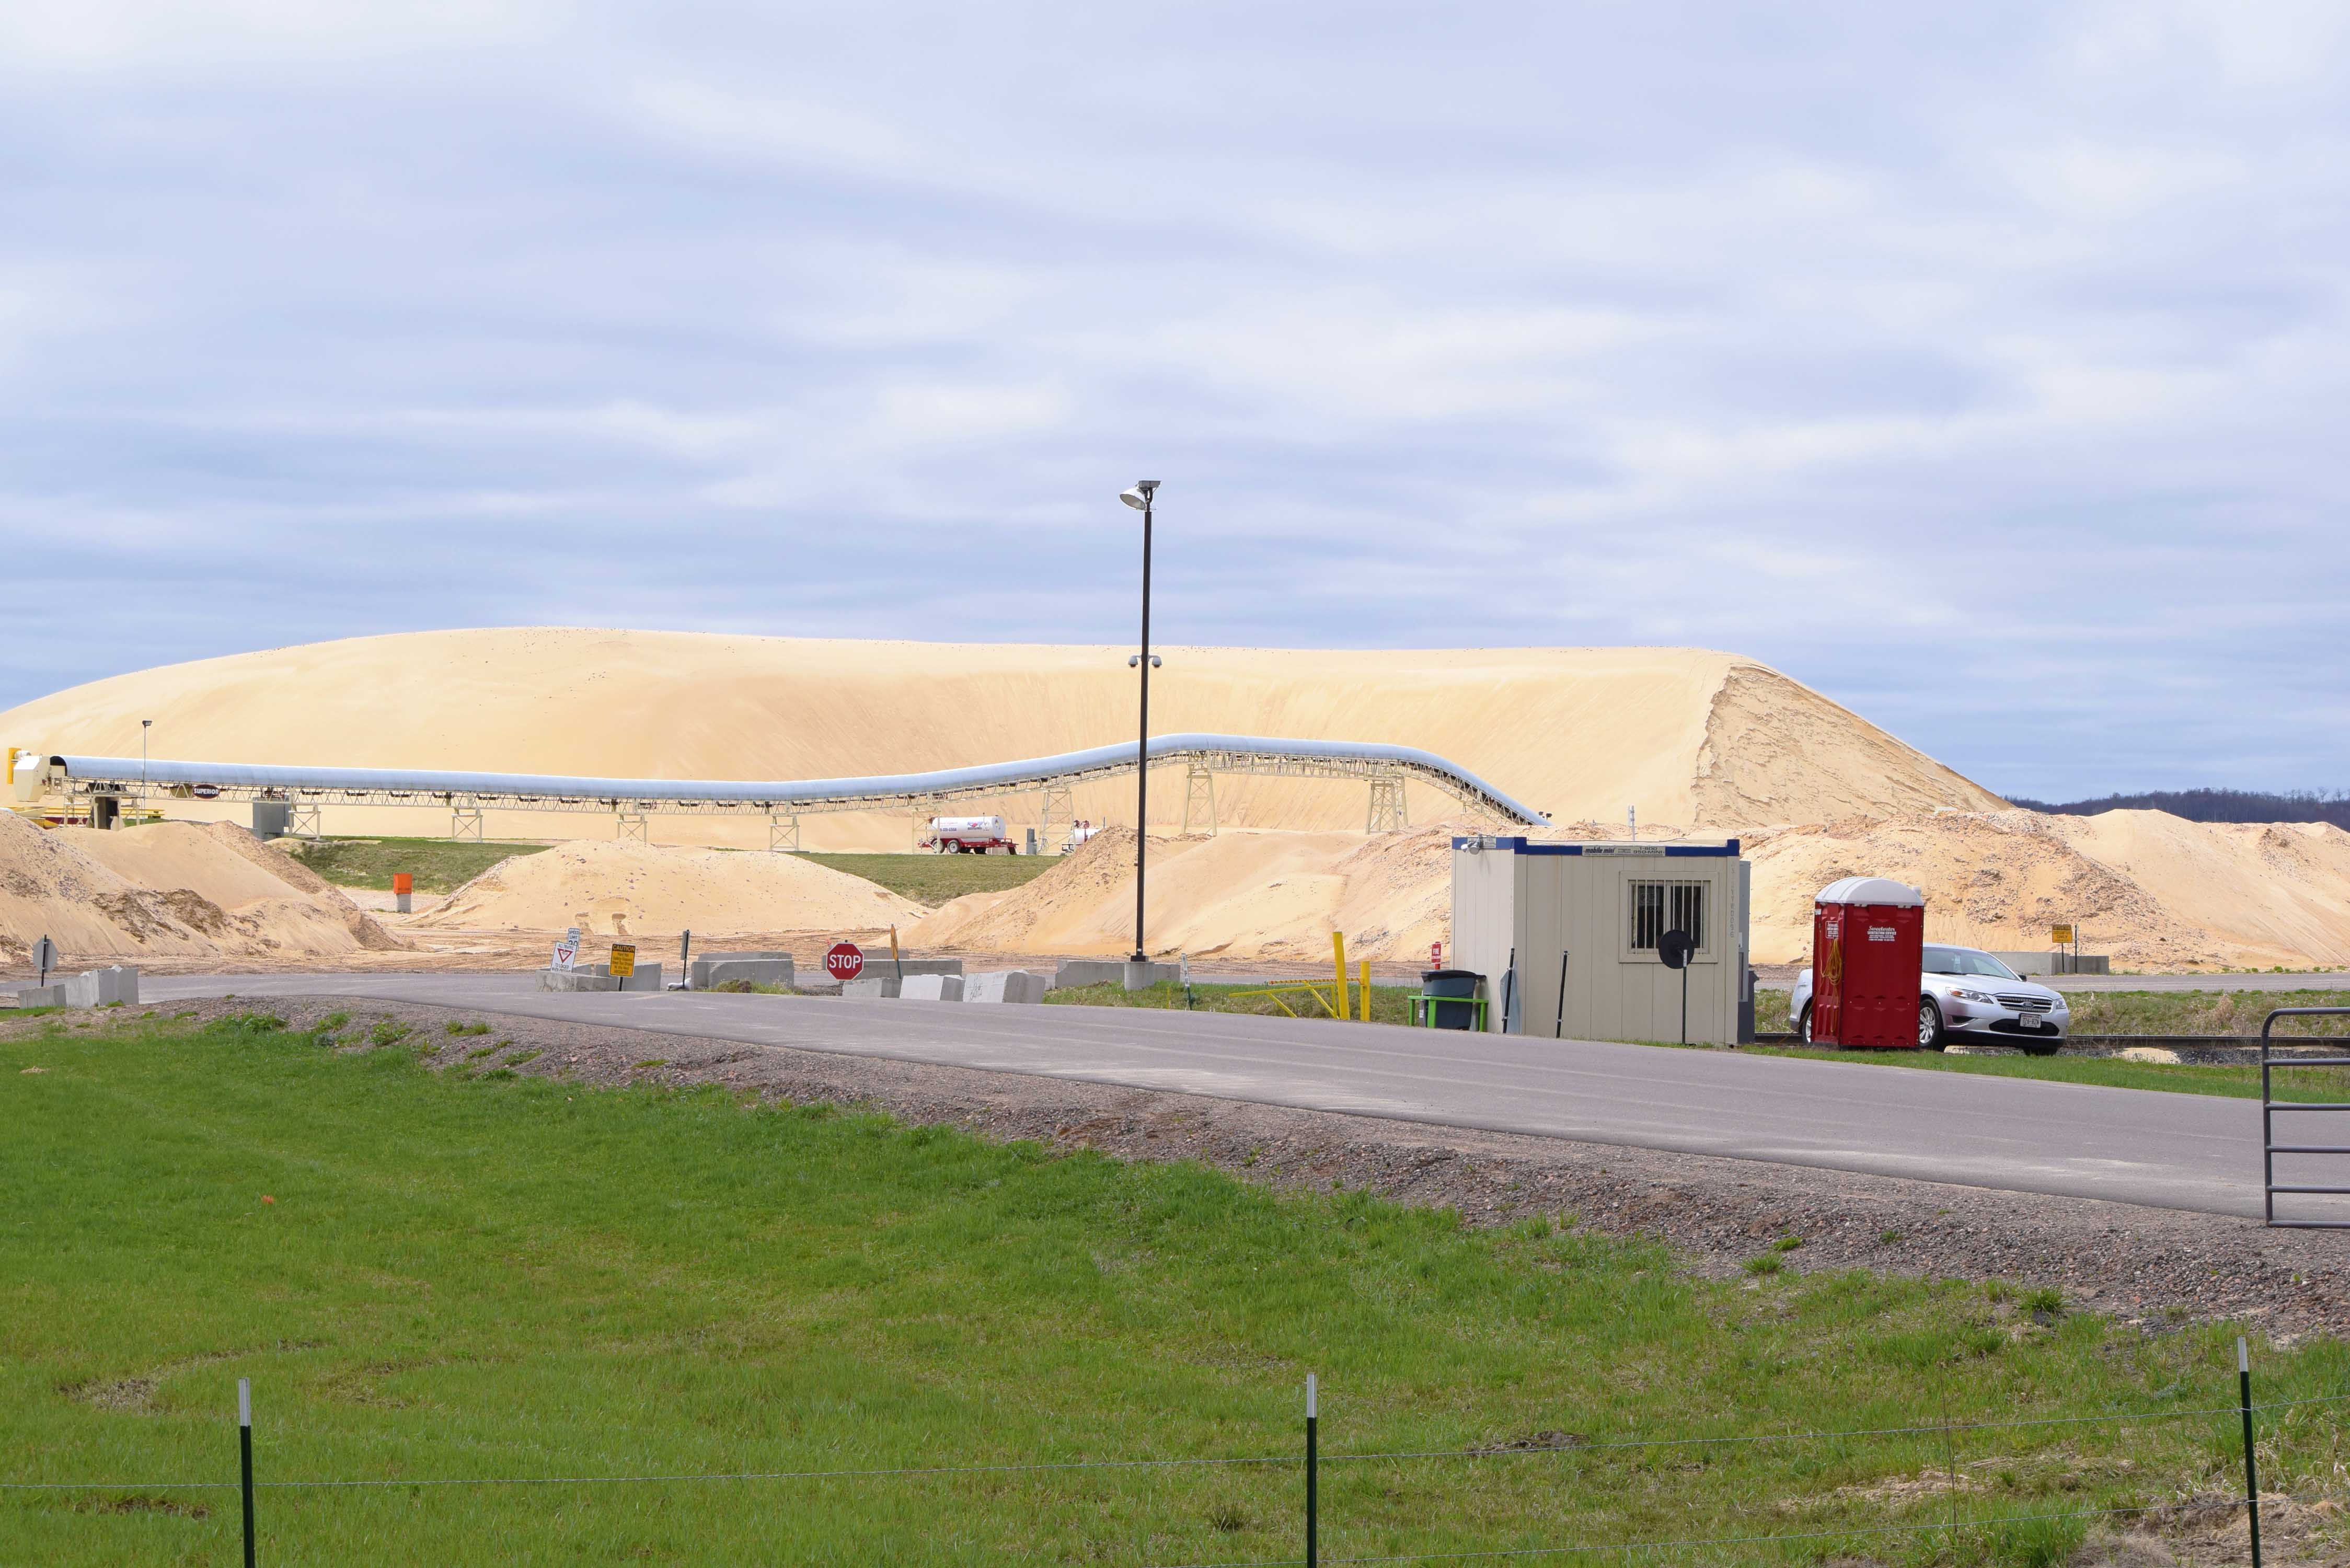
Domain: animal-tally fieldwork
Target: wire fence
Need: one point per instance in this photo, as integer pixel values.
(1311, 1460)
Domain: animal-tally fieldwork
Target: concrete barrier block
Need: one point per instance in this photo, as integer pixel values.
(101, 987)
(877, 985)
(701, 973)
(1143, 976)
(576, 980)
(1005, 985)
(709, 974)
(912, 967)
(1089, 971)
(932, 988)
(647, 977)
(41, 996)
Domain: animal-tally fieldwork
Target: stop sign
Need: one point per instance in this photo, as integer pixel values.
(845, 961)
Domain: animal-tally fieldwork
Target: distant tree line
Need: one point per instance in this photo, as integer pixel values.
(2211, 805)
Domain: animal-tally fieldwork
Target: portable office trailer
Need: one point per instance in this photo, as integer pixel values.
(1519, 909)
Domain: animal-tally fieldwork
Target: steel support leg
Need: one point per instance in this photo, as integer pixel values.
(1199, 799)
(1058, 806)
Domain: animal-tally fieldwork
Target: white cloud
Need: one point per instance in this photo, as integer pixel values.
(179, 36)
(2019, 334)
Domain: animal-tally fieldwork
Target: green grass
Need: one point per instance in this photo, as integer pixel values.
(439, 865)
(505, 1276)
(1389, 1006)
(1387, 1003)
(2215, 1011)
(935, 878)
(2236, 1082)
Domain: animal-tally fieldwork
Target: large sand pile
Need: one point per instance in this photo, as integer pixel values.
(2154, 891)
(1242, 894)
(1682, 734)
(633, 889)
(2151, 890)
(173, 889)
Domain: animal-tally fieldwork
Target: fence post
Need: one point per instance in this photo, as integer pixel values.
(2252, 1470)
(245, 1457)
(1313, 1478)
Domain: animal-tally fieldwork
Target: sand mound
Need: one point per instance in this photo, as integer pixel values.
(1683, 734)
(635, 889)
(173, 889)
(2149, 888)
(2153, 891)
(1242, 895)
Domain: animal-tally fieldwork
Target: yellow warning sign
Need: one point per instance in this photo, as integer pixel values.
(2060, 934)
(624, 960)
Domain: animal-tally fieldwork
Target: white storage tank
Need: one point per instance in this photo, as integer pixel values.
(970, 834)
(1525, 914)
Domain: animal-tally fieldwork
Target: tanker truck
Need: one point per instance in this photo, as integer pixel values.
(970, 835)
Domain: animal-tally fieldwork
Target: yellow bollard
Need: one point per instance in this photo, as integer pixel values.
(1363, 993)
(1339, 951)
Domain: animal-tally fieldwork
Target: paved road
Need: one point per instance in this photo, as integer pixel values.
(2177, 1151)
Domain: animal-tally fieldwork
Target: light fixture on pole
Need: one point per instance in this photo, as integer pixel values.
(1139, 498)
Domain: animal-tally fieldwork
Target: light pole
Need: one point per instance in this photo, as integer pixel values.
(144, 725)
(1139, 498)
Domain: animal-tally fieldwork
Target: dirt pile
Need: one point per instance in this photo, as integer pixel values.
(2153, 890)
(1242, 894)
(637, 890)
(173, 890)
(1685, 735)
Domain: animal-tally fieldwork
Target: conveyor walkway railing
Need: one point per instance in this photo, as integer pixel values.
(1383, 766)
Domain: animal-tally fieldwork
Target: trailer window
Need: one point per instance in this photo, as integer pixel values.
(1662, 907)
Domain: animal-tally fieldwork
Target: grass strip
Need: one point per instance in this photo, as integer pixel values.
(2215, 1011)
(933, 879)
(435, 1279)
(2300, 1084)
(439, 865)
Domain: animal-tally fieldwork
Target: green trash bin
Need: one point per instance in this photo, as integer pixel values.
(1451, 997)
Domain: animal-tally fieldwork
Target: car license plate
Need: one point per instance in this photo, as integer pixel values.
(2025, 1021)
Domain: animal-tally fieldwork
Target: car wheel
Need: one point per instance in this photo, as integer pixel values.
(1930, 1034)
(1804, 1026)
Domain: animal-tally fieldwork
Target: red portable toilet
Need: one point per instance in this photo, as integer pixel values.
(1869, 941)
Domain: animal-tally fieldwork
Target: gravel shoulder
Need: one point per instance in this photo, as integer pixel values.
(2152, 1267)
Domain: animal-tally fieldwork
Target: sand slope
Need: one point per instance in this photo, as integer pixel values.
(2151, 890)
(633, 889)
(1686, 735)
(1242, 894)
(173, 889)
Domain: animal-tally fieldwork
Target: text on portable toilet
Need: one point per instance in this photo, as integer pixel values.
(1869, 939)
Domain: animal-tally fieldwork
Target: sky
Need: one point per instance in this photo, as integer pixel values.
(1982, 367)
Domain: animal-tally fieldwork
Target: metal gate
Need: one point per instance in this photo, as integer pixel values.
(2269, 1106)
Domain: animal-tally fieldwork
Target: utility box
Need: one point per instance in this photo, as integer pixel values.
(1868, 950)
(1567, 936)
(271, 818)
